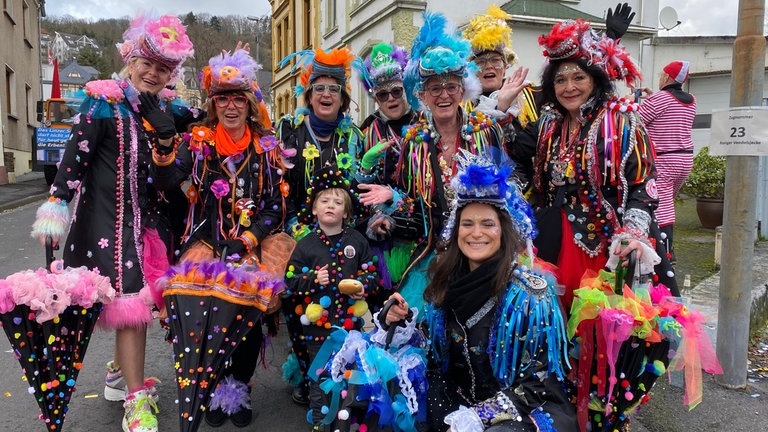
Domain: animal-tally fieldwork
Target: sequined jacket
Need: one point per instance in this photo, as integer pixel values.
(610, 179)
(497, 364)
(107, 171)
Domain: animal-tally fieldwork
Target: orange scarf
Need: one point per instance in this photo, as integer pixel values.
(226, 147)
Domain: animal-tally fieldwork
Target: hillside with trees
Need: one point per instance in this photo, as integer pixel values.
(209, 34)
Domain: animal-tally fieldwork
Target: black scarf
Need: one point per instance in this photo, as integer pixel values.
(469, 290)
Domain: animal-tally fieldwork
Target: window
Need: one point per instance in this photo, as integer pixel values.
(30, 103)
(8, 8)
(331, 15)
(279, 44)
(284, 42)
(10, 91)
(307, 24)
(26, 23)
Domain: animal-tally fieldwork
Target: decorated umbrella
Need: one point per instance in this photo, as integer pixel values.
(211, 308)
(623, 333)
(48, 317)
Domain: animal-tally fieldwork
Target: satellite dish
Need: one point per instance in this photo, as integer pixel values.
(668, 18)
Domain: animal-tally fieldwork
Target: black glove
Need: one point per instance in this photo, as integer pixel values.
(161, 121)
(233, 246)
(616, 24)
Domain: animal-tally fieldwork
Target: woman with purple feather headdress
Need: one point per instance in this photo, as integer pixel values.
(236, 198)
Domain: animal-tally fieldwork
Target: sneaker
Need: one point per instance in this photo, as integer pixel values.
(115, 388)
(215, 417)
(139, 415)
(114, 384)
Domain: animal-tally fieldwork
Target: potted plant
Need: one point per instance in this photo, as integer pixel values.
(707, 184)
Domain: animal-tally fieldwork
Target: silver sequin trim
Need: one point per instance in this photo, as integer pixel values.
(474, 319)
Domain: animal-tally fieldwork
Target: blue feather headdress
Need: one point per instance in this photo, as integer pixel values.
(438, 50)
(480, 180)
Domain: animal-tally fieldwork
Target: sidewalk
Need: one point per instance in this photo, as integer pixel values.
(29, 188)
(721, 408)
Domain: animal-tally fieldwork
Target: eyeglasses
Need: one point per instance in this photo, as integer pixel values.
(334, 89)
(437, 89)
(495, 61)
(383, 96)
(222, 101)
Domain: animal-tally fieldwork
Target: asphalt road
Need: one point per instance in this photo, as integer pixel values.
(89, 411)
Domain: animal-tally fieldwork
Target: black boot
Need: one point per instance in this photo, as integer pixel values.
(215, 417)
(300, 394)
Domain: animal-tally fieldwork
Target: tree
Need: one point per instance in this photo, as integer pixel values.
(215, 23)
(90, 57)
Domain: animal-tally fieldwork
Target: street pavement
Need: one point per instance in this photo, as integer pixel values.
(721, 409)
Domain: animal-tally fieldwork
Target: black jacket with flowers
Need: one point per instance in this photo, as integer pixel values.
(106, 167)
(228, 195)
(304, 155)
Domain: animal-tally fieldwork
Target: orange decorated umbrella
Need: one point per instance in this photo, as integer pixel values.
(211, 308)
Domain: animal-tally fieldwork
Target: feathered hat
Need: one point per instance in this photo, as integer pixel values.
(386, 63)
(438, 50)
(336, 63)
(163, 40)
(575, 39)
(490, 32)
(234, 72)
(479, 180)
(329, 178)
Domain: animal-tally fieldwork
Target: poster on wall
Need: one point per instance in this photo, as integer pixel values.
(739, 131)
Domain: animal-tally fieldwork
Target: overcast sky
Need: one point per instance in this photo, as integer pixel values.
(699, 17)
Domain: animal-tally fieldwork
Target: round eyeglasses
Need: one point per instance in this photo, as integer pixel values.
(223, 101)
(437, 89)
(334, 89)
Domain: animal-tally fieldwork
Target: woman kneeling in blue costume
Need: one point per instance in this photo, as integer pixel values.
(497, 345)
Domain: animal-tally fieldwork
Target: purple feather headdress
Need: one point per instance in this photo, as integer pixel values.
(386, 63)
(231, 72)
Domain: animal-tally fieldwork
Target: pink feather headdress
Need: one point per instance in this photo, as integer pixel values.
(163, 40)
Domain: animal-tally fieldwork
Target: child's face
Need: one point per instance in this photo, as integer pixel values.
(330, 207)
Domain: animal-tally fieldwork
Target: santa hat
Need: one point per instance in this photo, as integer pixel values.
(678, 70)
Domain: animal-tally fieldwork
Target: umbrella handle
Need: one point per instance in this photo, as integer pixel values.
(49, 248)
(626, 275)
(391, 327)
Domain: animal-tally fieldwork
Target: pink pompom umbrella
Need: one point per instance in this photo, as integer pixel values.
(211, 308)
(48, 318)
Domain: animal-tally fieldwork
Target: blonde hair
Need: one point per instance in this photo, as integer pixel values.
(336, 192)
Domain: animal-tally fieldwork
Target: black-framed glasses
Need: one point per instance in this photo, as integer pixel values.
(383, 95)
(496, 61)
(334, 89)
(223, 101)
(437, 89)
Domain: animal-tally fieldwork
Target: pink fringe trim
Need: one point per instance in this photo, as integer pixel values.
(130, 311)
(155, 264)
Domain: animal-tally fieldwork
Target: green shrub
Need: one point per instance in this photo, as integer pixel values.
(707, 179)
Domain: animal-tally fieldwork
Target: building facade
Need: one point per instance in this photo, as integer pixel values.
(20, 84)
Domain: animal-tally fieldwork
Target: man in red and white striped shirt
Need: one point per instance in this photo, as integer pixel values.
(668, 115)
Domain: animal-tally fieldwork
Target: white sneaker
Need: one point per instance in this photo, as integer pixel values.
(115, 388)
(139, 415)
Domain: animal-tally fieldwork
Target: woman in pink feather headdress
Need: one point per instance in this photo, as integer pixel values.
(118, 215)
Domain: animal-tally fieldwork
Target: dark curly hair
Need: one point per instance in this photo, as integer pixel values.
(603, 87)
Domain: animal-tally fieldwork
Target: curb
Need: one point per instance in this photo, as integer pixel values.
(22, 201)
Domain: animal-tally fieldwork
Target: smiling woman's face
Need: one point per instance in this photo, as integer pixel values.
(479, 233)
(325, 104)
(148, 75)
(442, 95)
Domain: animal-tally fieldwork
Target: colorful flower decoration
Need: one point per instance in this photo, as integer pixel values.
(311, 152)
(220, 188)
(202, 133)
(268, 143)
(344, 160)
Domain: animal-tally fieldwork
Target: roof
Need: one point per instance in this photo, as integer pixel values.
(74, 73)
(546, 9)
